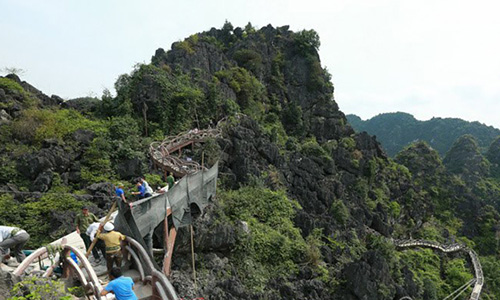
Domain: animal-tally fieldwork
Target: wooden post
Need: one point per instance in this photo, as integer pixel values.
(192, 257)
(99, 229)
(171, 241)
(66, 269)
(166, 264)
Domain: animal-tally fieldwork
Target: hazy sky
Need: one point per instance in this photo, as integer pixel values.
(426, 57)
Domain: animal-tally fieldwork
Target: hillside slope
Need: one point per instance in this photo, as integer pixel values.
(306, 207)
(397, 130)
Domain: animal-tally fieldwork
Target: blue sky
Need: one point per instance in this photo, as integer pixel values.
(428, 58)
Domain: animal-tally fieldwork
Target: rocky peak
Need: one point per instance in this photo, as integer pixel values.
(422, 160)
(493, 156)
(286, 63)
(16, 95)
(464, 158)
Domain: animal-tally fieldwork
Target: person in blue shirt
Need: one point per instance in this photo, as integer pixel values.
(141, 190)
(122, 287)
(145, 184)
(119, 192)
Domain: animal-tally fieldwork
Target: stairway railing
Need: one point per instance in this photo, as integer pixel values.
(162, 287)
(478, 270)
(83, 270)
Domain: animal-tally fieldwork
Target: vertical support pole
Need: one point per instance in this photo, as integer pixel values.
(192, 257)
(155, 294)
(102, 225)
(66, 268)
(166, 264)
(171, 241)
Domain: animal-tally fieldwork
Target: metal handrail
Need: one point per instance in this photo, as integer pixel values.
(156, 276)
(84, 263)
(161, 152)
(478, 270)
(138, 264)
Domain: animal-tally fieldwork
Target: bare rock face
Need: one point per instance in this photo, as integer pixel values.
(101, 194)
(52, 156)
(247, 151)
(210, 235)
(130, 168)
(365, 278)
(7, 282)
(5, 118)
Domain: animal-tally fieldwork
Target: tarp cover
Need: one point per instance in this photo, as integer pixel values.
(147, 214)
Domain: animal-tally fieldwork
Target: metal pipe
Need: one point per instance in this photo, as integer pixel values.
(137, 262)
(84, 262)
(161, 291)
(79, 271)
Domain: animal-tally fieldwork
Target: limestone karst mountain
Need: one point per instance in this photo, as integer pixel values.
(397, 130)
(306, 207)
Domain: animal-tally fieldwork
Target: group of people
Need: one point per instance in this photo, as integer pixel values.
(13, 239)
(144, 190)
(109, 241)
(109, 244)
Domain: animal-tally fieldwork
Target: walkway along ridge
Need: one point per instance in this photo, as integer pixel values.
(478, 280)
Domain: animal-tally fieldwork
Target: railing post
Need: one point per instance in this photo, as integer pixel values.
(166, 263)
(66, 269)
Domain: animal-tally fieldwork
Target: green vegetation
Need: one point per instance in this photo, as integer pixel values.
(273, 246)
(11, 86)
(249, 90)
(340, 212)
(311, 147)
(37, 288)
(37, 125)
(307, 41)
(36, 216)
(249, 60)
(312, 206)
(15, 90)
(429, 269)
(397, 130)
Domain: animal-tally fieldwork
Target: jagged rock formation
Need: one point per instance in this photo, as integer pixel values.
(7, 281)
(465, 159)
(422, 161)
(305, 205)
(321, 180)
(493, 156)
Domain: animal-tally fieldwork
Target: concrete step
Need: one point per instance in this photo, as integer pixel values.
(143, 292)
(134, 274)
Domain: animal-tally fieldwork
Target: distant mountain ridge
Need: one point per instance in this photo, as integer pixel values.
(396, 130)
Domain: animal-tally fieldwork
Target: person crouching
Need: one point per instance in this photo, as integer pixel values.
(13, 239)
